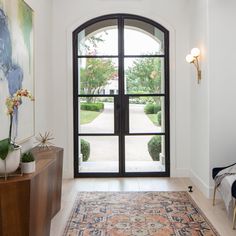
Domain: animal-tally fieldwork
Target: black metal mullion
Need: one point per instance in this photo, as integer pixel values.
(130, 95)
(167, 102)
(75, 103)
(97, 56)
(141, 56)
(126, 117)
(127, 174)
(97, 95)
(97, 134)
(116, 56)
(127, 134)
(147, 95)
(146, 134)
(121, 95)
(117, 108)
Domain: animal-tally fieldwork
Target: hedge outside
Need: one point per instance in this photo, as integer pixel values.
(92, 106)
(152, 108)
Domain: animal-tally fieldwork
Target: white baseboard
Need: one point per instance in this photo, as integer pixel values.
(67, 174)
(179, 173)
(174, 173)
(202, 186)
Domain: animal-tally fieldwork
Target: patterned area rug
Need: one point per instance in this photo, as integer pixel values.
(137, 213)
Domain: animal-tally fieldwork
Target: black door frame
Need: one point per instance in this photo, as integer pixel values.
(121, 127)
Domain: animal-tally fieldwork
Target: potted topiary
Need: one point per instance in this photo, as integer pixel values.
(27, 163)
(9, 150)
(85, 150)
(154, 147)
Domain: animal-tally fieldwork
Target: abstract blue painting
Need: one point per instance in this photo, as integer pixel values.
(16, 65)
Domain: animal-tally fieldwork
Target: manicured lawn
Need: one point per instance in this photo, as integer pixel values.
(153, 118)
(88, 116)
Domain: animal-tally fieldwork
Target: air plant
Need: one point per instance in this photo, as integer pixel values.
(44, 140)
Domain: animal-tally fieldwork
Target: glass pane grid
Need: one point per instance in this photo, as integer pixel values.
(144, 75)
(98, 154)
(146, 114)
(100, 38)
(150, 37)
(145, 153)
(98, 76)
(96, 115)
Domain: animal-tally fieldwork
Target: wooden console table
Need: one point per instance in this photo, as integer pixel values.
(28, 203)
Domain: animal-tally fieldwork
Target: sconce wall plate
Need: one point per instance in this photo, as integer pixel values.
(193, 58)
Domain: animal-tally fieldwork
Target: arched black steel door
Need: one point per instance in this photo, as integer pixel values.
(121, 97)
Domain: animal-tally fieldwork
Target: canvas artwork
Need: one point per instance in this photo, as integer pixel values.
(16, 66)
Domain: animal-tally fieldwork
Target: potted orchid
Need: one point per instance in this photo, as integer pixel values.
(9, 150)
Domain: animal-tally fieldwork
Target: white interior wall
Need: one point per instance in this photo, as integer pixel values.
(42, 51)
(199, 165)
(222, 46)
(213, 130)
(202, 116)
(68, 15)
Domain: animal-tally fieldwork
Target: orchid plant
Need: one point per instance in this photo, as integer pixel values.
(12, 104)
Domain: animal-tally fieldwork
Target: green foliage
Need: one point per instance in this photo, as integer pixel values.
(5, 147)
(85, 149)
(96, 75)
(27, 157)
(153, 118)
(92, 106)
(159, 118)
(87, 117)
(152, 108)
(154, 147)
(141, 100)
(90, 44)
(106, 99)
(144, 76)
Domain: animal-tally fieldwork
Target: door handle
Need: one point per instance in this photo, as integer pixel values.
(117, 115)
(126, 115)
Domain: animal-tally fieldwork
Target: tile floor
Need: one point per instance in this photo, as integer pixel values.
(217, 214)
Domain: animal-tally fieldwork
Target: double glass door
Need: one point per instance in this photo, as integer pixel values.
(121, 97)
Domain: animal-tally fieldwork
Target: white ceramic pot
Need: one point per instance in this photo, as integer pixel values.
(28, 167)
(12, 161)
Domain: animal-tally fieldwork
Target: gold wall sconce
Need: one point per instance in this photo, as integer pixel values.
(194, 59)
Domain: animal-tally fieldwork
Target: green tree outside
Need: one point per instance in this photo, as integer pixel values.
(95, 76)
(144, 76)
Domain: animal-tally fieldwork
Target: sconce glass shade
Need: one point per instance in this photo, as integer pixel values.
(195, 52)
(189, 58)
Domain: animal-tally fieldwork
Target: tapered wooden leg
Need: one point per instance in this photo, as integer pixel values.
(214, 195)
(234, 217)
